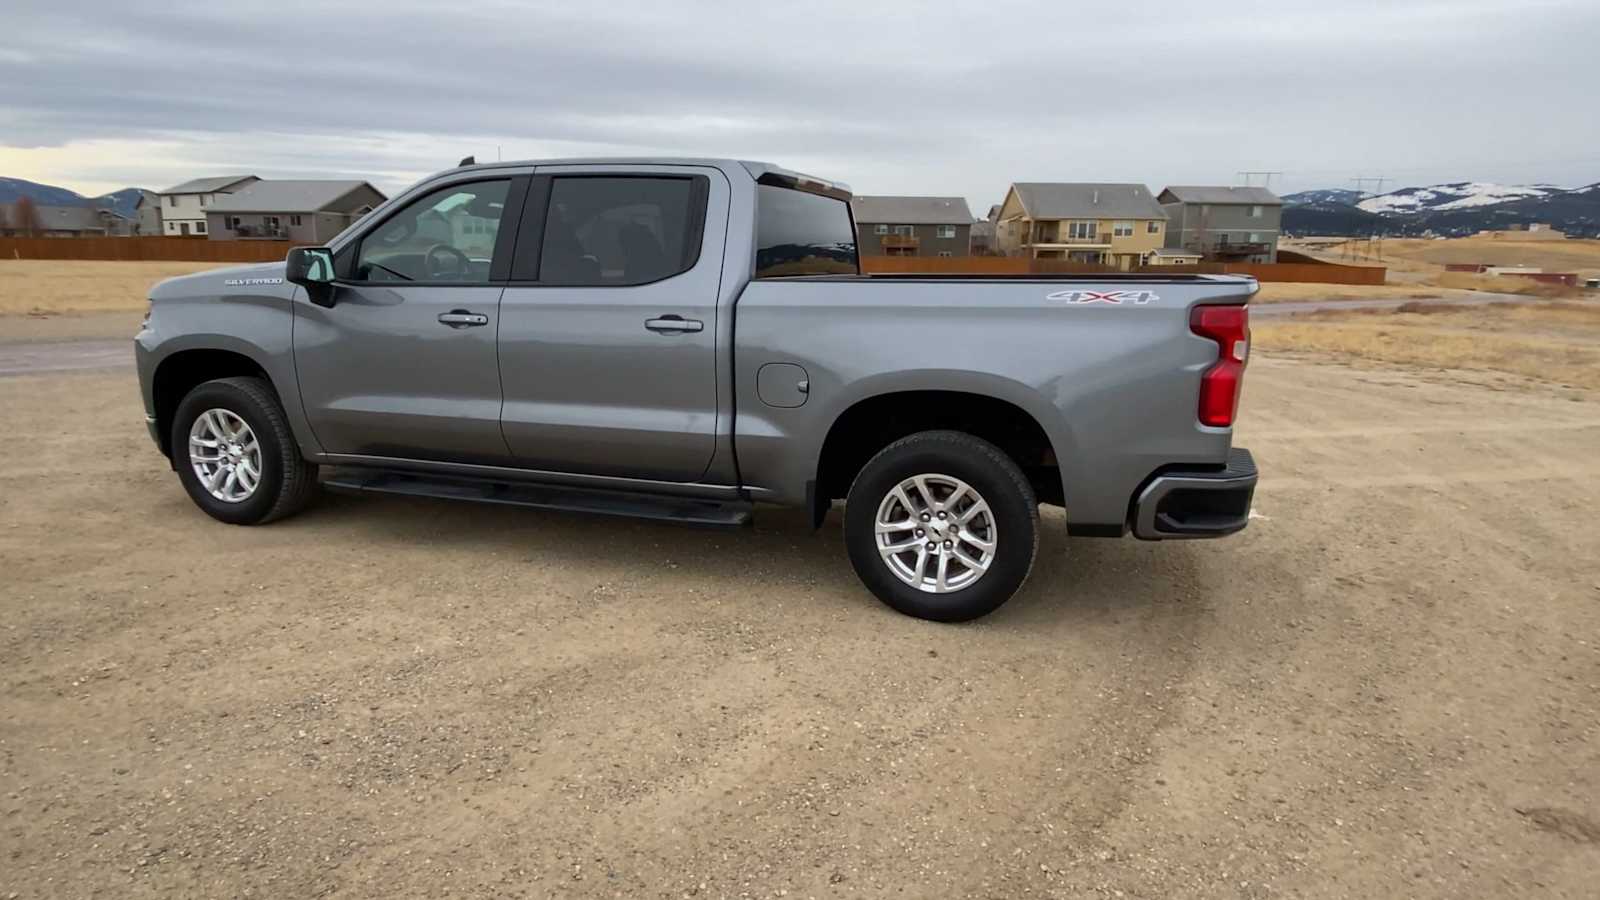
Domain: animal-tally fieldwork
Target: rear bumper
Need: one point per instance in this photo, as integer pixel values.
(1178, 504)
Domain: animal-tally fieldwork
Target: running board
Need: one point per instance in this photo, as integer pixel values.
(659, 507)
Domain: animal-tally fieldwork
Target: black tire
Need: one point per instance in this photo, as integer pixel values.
(287, 481)
(989, 471)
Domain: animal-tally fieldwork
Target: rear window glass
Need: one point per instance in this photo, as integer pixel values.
(620, 231)
(802, 234)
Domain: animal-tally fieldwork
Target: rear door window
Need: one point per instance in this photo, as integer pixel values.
(602, 231)
(799, 233)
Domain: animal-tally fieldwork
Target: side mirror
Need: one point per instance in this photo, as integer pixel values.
(312, 269)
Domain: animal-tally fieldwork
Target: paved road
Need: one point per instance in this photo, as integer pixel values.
(64, 356)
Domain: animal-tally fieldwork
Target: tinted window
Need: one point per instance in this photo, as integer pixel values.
(602, 231)
(447, 235)
(802, 234)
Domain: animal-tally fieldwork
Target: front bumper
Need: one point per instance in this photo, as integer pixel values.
(1181, 503)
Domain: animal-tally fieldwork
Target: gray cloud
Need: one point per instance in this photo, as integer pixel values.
(960, 99)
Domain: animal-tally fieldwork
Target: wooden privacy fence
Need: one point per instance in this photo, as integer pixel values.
(1320, 272)
(136, 249)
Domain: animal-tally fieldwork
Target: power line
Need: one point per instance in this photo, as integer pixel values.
(1266, 178)
(1360, 180)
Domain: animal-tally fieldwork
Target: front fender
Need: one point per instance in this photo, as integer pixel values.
(257, 326)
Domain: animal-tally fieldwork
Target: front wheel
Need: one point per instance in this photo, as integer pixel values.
(235, 454)
(942, 525)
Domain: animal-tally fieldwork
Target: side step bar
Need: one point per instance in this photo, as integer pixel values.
(659, 507)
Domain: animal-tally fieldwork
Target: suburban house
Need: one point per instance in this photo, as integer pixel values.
(982, 240)
(147, 213)
(183, 206)
(304, 212)
(60, 221)
(1238, 224)
(983, 233)
(1108, 224)
(912, 226)
(1170, 256)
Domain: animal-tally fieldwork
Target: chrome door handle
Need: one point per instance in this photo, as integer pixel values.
(674, 325)
(460, 318)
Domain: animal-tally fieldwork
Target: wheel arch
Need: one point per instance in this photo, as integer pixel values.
(872, 422)
(180, 372)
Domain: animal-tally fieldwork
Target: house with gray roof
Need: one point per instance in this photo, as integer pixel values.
(1108, 224)
(912, 226)
(299, 211)
(1233, 224)
(183, 206)
(147, 214)
(60, 221)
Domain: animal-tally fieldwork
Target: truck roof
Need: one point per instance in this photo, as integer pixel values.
(756, 168)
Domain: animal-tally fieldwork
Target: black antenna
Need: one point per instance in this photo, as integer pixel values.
(468, 161)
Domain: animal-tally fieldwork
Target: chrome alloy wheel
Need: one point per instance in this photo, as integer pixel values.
(936, 533)
(225, 455)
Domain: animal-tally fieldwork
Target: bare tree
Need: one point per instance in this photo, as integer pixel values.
(26, 218)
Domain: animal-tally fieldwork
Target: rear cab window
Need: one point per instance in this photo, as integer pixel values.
(801, 233)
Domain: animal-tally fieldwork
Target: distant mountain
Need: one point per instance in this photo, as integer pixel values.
(1331, 218)
(1454, 210)
(120, 202)
(1340, 196)
(14, 189)
(1456, 195)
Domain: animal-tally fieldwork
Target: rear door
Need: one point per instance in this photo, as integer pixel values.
(608, 354)
(403, 365)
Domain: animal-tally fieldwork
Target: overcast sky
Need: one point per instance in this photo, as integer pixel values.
(893, 98)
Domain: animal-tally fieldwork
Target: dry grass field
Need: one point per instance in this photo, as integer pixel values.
(1286, 292)
(41, 287)
(1418, 255)
(1552, 256)
(1556, 343)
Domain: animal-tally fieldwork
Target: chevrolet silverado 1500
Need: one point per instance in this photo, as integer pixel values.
(687, 339)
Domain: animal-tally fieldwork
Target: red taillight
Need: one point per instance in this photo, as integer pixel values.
(1229, 326)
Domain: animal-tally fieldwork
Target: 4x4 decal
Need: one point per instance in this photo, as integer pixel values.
(1114, 297)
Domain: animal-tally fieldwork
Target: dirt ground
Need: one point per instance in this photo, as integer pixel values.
(1389, 685)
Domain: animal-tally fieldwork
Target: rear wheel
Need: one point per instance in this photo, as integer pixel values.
(942, 525)
(235, 454)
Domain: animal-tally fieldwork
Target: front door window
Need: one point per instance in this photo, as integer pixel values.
(446, 236)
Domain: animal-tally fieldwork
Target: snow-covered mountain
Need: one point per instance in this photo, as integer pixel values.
(1341, 196)
(1454, 210)
(1457, 195)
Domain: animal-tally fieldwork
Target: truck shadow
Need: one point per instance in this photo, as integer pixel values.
(1072, 578)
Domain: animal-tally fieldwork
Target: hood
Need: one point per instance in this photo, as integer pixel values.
(265, 278)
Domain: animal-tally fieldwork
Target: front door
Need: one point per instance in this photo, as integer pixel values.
(608, 331)
(183, 228)
(403, 365)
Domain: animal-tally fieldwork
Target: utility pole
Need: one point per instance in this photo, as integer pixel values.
(1360, 182)
(1266, 178)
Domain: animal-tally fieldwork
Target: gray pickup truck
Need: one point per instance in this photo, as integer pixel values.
(686, 339)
